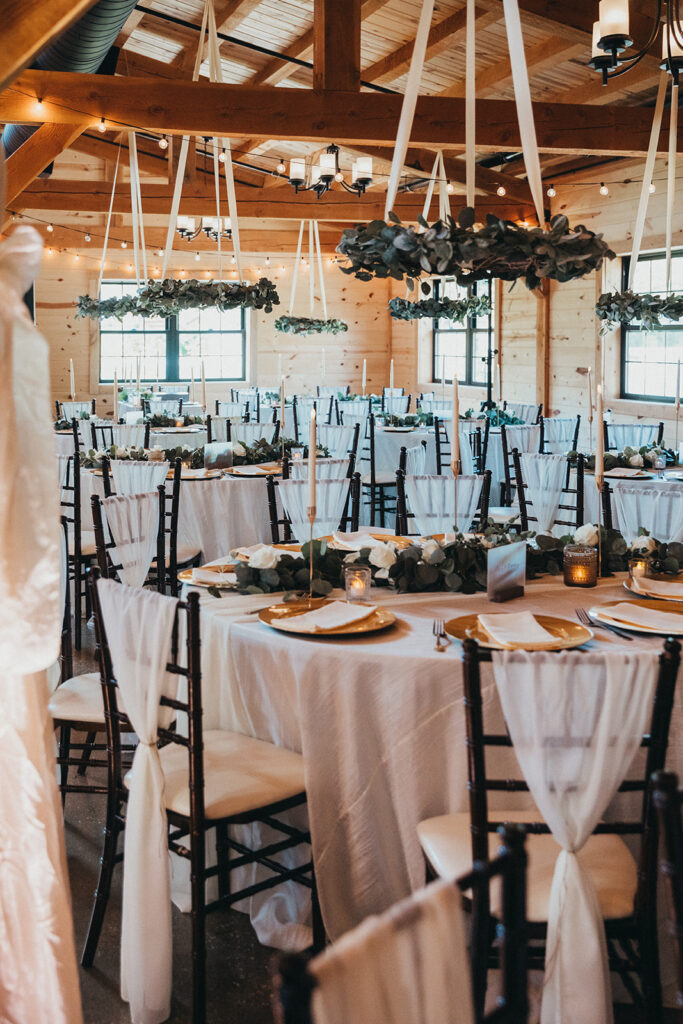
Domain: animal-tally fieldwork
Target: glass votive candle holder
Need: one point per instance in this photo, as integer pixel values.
(357, 582)
(637, 567)
(580, 565)
(297, 455)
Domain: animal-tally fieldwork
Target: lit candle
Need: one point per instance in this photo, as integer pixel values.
(203, 388)
(72, 381)
(311, 466)
(365, 375)
(282, 407)
(115, 403)
(599, 441)
(455, 429)
(391, 376)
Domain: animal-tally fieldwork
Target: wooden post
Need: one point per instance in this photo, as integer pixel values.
(542, 294)
(336, 45)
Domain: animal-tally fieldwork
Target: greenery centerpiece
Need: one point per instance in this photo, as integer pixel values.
(630, 458)
(500, 249)
(192, 457)
(496, 415)
(260, 451)
(627, 307)
(309, 325)
(170, 296)
(431, 308)
(161, 420)
(417, 419)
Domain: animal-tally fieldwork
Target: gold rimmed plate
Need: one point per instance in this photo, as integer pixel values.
(253, 472)
(380, 618)
(602, 614)
(645, 594)
(568, 634)
(386, 538)
(185, 576)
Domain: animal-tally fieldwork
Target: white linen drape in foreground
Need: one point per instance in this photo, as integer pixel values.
(38, 975)
(330, 498)
(544, 476)
(431, 499)
(576, 722)
(138, 625)
(133, 520)
(410, 964)
(137, 477)
(659, 510)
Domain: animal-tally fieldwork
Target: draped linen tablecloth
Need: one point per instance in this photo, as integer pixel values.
(381, 725)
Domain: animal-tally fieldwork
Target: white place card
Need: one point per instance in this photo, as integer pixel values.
(506, 572)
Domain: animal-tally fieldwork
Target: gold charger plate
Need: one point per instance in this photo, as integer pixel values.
(380, 619)
(644, 595)
(259, 474)
(387, 538)
(656, 605)
(569, 634)
(185, 575)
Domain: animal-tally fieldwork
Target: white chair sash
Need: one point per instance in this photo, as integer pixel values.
(62, 469)
(576, 721)
(439, 406)
(558, 434)
(466, 458)
(231, 409)
(396, 404)
(249, 433)
(416, 459)
(410, 964)
(330, 500)
(525, 438)
(325, 469)
(337, 440)
(544, 476)
(329, 389)
(657, 509)
(431, 499)
(138, 626)
(631, 435)
(219, 427)
(137, 477)
(524, 411)
(133, 520)
(134, 416)
(356, 407)
(73, 410)
(164, 406)
(129, 435)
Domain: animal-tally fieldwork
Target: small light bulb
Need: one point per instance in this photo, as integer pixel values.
(157, 270)
(77, 257)
(163, 142)
(604, 191)
(50, 228)
(124, 245)
(50, 251)
(39, 101)
(281, 167)
(131, 268)
(339, 176)
(221, 156)
(551, 192)
(653, 187)
(207, 275)
(232, 258)
(182, 273)
(87, 236)
(282, 269)
(158, 252)
(450, 188)
(197, 257)
(102, 127)
(500, 191)
(267, 261)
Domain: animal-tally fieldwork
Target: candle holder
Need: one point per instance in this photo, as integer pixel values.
(637, 568)
(580, 566)
(297, 454)
(357, 583)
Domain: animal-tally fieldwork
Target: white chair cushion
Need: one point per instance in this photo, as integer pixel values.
(185, 553)
(87, 543)
(79, 700)
(447, 845)
(240, 774)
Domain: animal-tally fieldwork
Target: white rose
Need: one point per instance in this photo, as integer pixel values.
(636, 460)
(652, 455)
(266, 558)
(488, 542)
(587, 534)
(429, 547)
(383, 556)
(644, 544)
(351, 557)
(238, 449)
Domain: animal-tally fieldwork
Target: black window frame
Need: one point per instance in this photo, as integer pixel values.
(626, 329)
(469, 329)
(173, 333)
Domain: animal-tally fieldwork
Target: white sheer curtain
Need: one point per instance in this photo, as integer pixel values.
(249, 433)
(431, 499)
(337, 440)
(325, 469)
(523, 438)
(409, 966)
(127, 435)
(164, 406)
(137, 477)
(231, 409)
(38, 974)
(544, 476)
(631, 435)
(416, 459)
(138, 625)
(558, 434)
(524, 411)
(576, 721)
(659, 510)
(72, 410)
(330, 499)
(133, 520)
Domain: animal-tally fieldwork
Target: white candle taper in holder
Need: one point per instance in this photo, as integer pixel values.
(590, 410)
(282, 415)
(600, 468)
(365, 375)
(678, 399)
(138, 369)
(72, 381)
(279, 366)
(312, 451)
(443, 377)
(191, 395)
(115, 399)
(203, 388)
(455, 448)
(391, 376)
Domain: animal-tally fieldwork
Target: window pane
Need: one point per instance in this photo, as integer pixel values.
(463, 345)
(650, 359)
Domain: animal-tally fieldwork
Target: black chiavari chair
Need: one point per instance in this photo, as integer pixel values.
(217, 425)
(348, 522)
(463, 839)
(571, 502)
(103, 434)
(403, 515)
(611, 445)
(668, 799)
(508, 461)
(106, 548)
(224, 786)
(376, 486)
(81, 545)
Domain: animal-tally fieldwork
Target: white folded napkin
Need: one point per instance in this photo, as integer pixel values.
(198, 474)
(621, 471)
(635, 614)
(329, 616)
(354, 541)
(662, 588)
(515, 629)
(217, 579)
(250, 471)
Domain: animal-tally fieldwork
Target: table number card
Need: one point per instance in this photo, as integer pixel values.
(506, 572)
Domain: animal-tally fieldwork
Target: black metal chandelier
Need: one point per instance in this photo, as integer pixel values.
(327, 171)
(188, 228)
(611, 39)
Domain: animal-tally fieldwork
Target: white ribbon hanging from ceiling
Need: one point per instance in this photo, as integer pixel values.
(671, 178)
(323, 297)
(217, 187)
(647, 176)
(438, 175)
(295, 275)
(470, 112)
(314, 255)
(405, 123)
(108, 226)
(139, 249)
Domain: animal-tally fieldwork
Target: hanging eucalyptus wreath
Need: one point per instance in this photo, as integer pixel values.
(647, 310)
(168, 297)
(440, 309)
(309, 325)
(500, 249)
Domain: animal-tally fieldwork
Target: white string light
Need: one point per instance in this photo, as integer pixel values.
(501, 191)
(163, 142)
(551, 193)
(102, 126)
(604, 191)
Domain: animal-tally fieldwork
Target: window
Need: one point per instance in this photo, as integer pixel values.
(171, 348)
(462, 348)
(649, 358)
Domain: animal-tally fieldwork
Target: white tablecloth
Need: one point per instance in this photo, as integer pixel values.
(176, 439)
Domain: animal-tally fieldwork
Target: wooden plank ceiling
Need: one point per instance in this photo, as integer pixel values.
(269, 45)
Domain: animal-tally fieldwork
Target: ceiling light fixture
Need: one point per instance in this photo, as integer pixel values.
(611, 39)
(102, 127)
(163, 142)
(327, 170)
(551, 193)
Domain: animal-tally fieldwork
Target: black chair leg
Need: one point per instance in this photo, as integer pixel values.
(107, 862)
(78, 602)
(197, 878)
(652, 985)
(87, 752)
(223, 857)
(382, 508)
(64, 748)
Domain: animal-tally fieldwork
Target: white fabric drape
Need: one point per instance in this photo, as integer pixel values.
(410, 964)
(248, 433)
(395, 403)
(73, 410)
(544, 476)
(431, 499)
(330, 499)
(523, 438)
(164, 406)
(558, 434)
(337, 440)
(576, 721)
(631, 435)
(129, 435)
(415, 460)
(325, 469)
(138, 625)
(38, 974)
(659, 510)
(647, 177)
(133, 520)
(523, 411)
(219, 427)
(232, 409)
(137, 477)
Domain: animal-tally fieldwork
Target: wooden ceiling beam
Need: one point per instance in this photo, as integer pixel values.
(34, 155)
(251, 240)
(336, 45)
(28, 27)
(538, 58)
(203, 108)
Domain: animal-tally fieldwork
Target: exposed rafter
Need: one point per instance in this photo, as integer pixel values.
(34, 155)
(29, 25)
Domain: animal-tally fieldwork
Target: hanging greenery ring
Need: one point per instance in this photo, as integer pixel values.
(168, 297)
(309, 325)
(615, 308)
(455, 248)
(440, 309)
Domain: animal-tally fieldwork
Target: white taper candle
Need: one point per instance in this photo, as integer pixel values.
(455, 428)
(203, 387)
(365, 375)
(115, 398)
(72, 381)
(311, 466)
(599, 440)
(391, 376)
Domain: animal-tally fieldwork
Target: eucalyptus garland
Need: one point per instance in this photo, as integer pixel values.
(159, 419)
(263, 451)
(633, 458)
(92, 459)
(628, 307)
(309, 325)
(455, 248)
(440, 309)
(170, 296)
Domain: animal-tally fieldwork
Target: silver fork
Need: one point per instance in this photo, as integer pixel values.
(439, 632)
(585, 619)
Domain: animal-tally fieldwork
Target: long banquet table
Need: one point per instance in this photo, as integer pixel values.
(380, 723)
